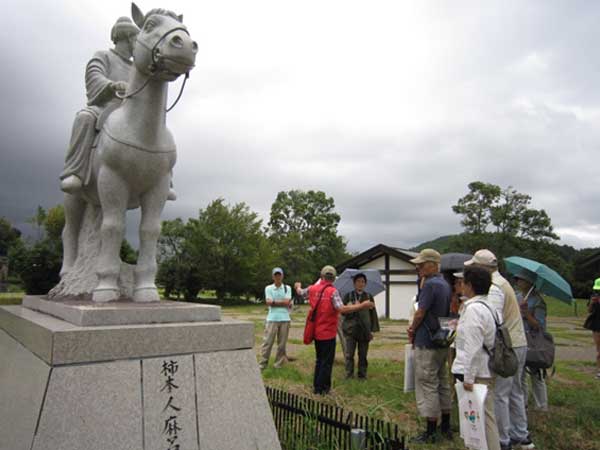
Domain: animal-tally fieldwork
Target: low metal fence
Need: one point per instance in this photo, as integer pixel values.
(306, 424)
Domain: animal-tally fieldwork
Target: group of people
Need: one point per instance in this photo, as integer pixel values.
(481, 297)
(359, 323)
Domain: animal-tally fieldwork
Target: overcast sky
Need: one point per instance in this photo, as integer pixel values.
(390, 107)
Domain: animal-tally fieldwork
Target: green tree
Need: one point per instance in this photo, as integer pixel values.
(8, 235)
(475, 206)
(536, 225)
(38, 263)
(54, 222)
(506, 209)
(225, 249)
(127, 253)
(303, 226)
(177, 272)
(227, 244)
(38, 221)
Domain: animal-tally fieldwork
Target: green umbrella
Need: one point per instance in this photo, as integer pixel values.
(547, 281)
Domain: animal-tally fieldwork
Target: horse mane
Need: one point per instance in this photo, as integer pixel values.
(163, 12)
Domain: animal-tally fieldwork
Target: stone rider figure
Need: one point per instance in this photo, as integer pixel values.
(106, 76)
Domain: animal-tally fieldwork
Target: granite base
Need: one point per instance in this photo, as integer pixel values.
(122, 312)
(147, 387)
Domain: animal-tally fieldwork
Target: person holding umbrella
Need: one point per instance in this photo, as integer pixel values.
(534, 312)
(358, 327)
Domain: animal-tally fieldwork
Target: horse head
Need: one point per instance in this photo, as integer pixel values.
(164, 48)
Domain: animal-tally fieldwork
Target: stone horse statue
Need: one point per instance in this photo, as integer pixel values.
(131, 167)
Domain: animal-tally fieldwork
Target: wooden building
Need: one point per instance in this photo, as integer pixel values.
(398, 274)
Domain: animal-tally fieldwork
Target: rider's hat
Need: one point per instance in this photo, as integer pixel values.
(123, 28)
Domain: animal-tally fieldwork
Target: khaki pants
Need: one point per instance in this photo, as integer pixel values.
(340, 334)
(432, 390)
(351, 346)
(491, 429)
(272, 330)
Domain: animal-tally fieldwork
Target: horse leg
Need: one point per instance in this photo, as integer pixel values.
(74, 209)
(113, 193)
(152, 203)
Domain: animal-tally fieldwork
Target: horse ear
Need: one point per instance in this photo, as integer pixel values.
(137, 15)
(180, 17)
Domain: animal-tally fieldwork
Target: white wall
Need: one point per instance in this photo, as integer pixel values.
(401, 295)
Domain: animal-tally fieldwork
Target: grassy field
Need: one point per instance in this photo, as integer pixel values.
(10, 298)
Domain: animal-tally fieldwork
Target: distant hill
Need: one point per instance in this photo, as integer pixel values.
(440, 244)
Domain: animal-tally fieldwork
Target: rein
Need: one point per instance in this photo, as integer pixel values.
(157, 64)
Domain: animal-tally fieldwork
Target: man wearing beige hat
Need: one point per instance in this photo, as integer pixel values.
(509, 399)
(432, 389)
(325, 301)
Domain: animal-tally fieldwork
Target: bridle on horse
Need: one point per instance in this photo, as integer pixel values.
(156, 65)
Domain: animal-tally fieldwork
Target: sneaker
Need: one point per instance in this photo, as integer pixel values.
(598, 376)
(527, 444)
(424, 438)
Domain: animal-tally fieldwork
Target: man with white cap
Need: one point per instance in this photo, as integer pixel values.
(278, 297)
(509, 399)
(432, 389)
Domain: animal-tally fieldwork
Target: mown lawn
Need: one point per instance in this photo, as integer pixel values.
(10, 298)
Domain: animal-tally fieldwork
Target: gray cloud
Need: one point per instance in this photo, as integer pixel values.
(393, 115)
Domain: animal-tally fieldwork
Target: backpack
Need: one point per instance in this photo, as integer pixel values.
(540, 350)
(503, 359)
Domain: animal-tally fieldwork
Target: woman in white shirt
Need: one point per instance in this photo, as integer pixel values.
(476, 328)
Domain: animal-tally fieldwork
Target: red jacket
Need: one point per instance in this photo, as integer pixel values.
(327, 317)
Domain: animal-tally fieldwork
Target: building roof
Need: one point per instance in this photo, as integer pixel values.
(374, 253)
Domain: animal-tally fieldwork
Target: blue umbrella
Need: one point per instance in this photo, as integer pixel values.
(547, 281)
(345, 283)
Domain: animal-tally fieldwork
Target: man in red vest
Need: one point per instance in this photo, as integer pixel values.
(326, 300)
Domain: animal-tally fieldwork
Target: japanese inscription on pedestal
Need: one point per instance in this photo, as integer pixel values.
(171, 427)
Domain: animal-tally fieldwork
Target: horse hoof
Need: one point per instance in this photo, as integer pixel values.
(145, 295)
(105, 295)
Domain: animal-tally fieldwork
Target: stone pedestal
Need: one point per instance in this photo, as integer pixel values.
(184, 385)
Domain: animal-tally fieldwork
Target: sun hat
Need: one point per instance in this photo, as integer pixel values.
(427, 255)
(483, 257)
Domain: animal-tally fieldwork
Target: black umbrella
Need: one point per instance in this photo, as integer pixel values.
(454, 261)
